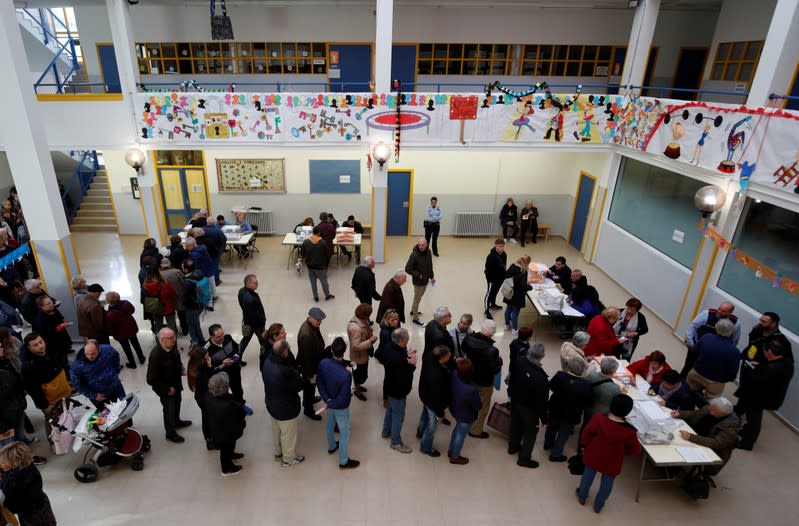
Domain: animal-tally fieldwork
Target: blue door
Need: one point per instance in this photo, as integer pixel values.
(399, 203)
(354, 69)
(585, 190)
(403, 66)
(108, 67)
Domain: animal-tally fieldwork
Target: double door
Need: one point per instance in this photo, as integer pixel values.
(183, 195)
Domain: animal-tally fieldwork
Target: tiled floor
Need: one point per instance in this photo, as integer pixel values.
(181, 483)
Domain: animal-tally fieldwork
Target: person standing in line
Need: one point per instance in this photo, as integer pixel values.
(195, 286)
(327, 231)
(198, 372)
(420, 268)
(495, 264)
(571, 393)
(528, 390)
(226, 422)
(459, 332)
(314, 252)
(529, 222)
(399, 362)
(607, 439)
(334, 380)
(362, 340)
(21, 487)
(434, 392)
(253, 316)
(164, 375)
(465, 405)
(310, 351)
(509, 219)
(282, 383)
(51, 325)
(363, 282)
(392, 297)
(484, 355)
(91, 315)
(520, 277)
(164, 296)
(225, 353)
(174, 277)
(123, 327)
(705, 323)
(432, 224)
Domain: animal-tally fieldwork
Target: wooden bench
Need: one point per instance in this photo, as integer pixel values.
(543, 232)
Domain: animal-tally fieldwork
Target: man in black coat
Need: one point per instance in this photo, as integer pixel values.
(435, 333)
(310, 351)
(392, 297)
(480, 349)
(363, 282)
(282, 382)
(216, 238)
(399, 362)
(164, 375)
(529, 391)
(767, 328)
(253, 316)
(226, 421)
(434, 391)
(225, 355)
(496, 261)
(763, 386)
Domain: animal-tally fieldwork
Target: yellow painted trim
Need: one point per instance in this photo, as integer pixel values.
(143, 214)
(576, 196)
(74, 253)
(701, 294)
(38, 265)
(688, 286)
(100, 62)
(79, 97)
(598, 222)
(590, 218)
(410, 197)
(160, 205)
(205, 182)
(160, 219)
(65, 264)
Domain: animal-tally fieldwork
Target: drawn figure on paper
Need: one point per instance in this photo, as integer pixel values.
(677, 133)
(588, 116)
(700, 143)
(735, 140)
(555, 122)
(787, 174)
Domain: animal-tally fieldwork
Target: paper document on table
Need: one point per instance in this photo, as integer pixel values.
(642, 385)
(552, 292)
(651, 410)
(693, 455)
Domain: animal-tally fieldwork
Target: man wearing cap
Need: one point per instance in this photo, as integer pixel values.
(479, 348)
(91, 315)
(310, 351)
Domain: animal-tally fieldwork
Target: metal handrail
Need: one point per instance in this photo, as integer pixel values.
(41, 23)
(67, 47)
(773, 96)
(82, 177)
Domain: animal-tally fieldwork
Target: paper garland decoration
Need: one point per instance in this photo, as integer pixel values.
(761, 270)
(15, 255)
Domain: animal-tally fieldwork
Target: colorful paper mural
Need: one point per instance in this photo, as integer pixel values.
(757, 144)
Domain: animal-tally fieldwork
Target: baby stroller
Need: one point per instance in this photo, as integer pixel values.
(110, 437)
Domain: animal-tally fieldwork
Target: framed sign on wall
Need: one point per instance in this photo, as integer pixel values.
(251, 175)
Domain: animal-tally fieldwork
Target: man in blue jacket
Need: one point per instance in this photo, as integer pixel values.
(334, 380)
(95, 374)
(717, 360)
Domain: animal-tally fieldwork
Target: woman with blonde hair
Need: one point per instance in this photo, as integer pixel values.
(519, 273)
(21, 486)
(603, 338)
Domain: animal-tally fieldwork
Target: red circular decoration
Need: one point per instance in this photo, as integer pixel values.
(405, 119)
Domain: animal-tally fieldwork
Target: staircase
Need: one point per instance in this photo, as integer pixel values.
(96, 212)
(43, 26)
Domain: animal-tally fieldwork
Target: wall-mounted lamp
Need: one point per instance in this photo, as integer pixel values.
(135, 158)
(381, 152)
(709, 199)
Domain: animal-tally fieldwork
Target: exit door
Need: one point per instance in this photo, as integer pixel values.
(398, 220)
(182, 194)
(108, 68)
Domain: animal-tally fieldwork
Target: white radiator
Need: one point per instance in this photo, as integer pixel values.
(262, 219)
(476, 224)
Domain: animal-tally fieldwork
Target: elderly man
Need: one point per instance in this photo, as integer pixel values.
(399, 362)
(717, 360)
(282, 382)
(705, 323)
(164, 375)
(763, 386)
(528, 388)
(459, 332)
(716, 427)
(363, 281)
(225, 355)
(174, 277)
(435, 333)
(91, 315)
(315, 254)
(203, 262)
(310, 351)
(392, 297)
(420, 268)
(434, 391)
(253, 316)
(27, 305)
(95, 374)
(480, 349)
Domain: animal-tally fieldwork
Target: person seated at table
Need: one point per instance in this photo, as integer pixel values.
(244, 226)
(560, 273)
(715, 426)
(358, 229)
(308, 221)
(651, 368)
(632, 324)
(584, 297)
(603, 337)
(200, 219)
(674, 392)
(220, 222)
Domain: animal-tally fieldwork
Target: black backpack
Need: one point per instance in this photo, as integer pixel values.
(697, 484)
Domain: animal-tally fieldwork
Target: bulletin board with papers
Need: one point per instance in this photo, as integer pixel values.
(251, 175)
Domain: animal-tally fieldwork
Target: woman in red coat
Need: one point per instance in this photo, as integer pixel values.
(607, 439)
(123, 327)
(154, 286)
(603, 337)
(651, 368)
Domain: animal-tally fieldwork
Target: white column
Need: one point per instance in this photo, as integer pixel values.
(383, 39)
(644, 21)
(32, 167)
(122, 36)
(779, 56)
